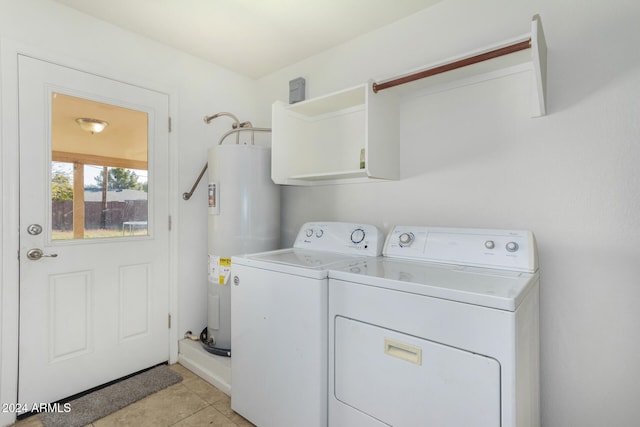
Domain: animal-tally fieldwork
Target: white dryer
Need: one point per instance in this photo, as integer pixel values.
(279, 323)
(442, 331)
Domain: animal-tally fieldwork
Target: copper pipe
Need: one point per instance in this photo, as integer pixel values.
(506, 50)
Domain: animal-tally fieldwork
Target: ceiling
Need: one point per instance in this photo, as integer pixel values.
(251, 37)
(123, 143)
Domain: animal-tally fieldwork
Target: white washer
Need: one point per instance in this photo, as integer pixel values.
(442, 331)
(279, 323)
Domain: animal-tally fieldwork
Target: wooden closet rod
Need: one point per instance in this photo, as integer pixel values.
(453, 65)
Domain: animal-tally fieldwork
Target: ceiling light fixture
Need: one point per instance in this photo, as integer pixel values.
(92, 125)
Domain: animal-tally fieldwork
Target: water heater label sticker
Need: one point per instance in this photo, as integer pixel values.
(221, 270)
(214, 205)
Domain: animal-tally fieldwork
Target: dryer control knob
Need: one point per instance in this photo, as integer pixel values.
(357, 235)
(309, 232)
(406, 239)
(489, 244)
(512, 246)
(319, 233)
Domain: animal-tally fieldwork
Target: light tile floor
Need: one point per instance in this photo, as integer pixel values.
(190, 403)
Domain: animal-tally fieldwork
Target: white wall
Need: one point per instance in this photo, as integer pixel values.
(196, 88)
(470, 157)
(473, 157)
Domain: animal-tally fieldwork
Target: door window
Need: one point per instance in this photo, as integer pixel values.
(99, 179)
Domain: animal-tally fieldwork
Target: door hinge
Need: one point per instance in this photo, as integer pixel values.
(169, 224)
(169, 321)
(169, 124)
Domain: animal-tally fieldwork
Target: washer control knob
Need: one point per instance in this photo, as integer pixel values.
(320, 233)
(406, 239)
(357, 235)
(512, 246)
(309, 232)
(489, 244)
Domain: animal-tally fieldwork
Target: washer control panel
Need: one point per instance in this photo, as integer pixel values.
(502, 249)
(341, 237)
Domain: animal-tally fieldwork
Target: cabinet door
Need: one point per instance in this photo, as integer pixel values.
(403, 380)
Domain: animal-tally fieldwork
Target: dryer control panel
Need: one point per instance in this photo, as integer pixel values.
(341, 237)
(501, 249)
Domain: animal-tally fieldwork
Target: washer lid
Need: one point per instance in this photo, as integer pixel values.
(486, 287)
(303, 262)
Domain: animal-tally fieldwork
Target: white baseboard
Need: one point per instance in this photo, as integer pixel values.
(216, 370)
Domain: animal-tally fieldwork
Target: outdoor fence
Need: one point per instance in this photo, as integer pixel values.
(115, 213)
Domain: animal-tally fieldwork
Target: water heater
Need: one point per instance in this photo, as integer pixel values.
(244, 217)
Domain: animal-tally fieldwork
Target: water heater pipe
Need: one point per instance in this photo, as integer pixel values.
(188, 194)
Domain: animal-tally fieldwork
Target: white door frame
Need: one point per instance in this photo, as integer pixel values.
(10, 215)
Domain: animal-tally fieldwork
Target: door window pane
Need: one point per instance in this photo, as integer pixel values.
(99, 179)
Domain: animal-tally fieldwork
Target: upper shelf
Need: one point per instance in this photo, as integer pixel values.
(526, 52)
(330, 103)
(345, 136)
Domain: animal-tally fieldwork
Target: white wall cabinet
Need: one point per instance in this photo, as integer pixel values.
(526, 53)
(320, 140)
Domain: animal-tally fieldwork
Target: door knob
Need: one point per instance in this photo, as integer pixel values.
(36, 254)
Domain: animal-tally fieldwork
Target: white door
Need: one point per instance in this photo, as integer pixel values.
(94, 306)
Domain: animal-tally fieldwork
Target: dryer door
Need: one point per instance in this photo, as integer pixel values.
(402, 380)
